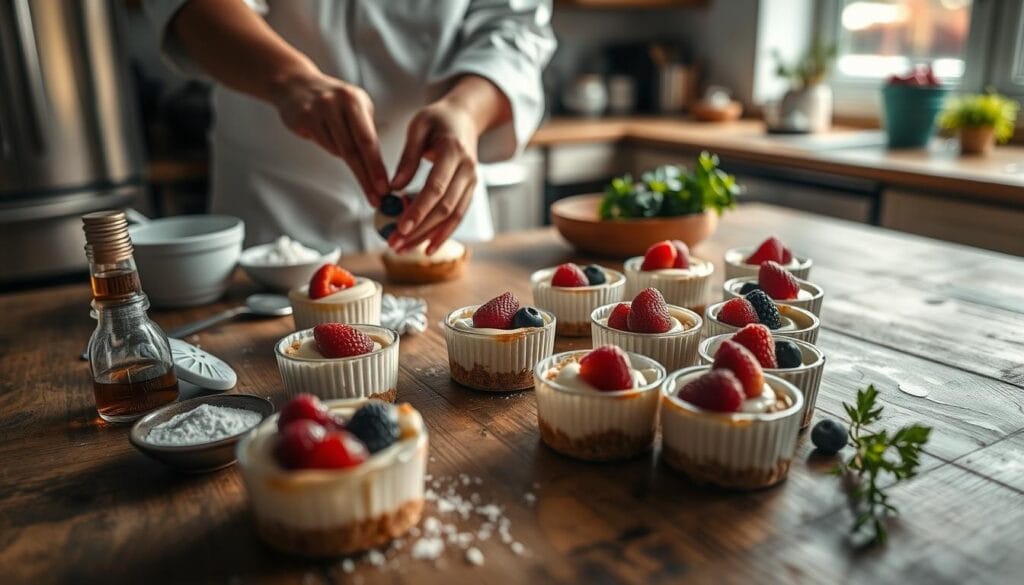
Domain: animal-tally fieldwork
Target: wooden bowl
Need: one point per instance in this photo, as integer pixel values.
(705, 113)
(577, 220)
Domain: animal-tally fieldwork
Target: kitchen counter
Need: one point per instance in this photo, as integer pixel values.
(933, 326)
(998, 178)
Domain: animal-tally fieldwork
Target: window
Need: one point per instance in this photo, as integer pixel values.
(877, 38)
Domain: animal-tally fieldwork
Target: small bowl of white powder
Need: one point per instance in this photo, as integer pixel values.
(199, 435)
(286, 263)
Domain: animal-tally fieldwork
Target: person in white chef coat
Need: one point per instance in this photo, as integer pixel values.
(321, 107)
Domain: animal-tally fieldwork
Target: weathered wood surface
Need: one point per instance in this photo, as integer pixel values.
(79, 504)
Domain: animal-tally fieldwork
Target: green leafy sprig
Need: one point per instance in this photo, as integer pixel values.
(670, 191)
(877, 455)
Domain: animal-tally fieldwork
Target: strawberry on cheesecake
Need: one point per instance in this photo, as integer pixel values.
(683, 279)
(757, 307)
(335, 360)
(730, 424)
(599, 404)
(649, 326)
(746, 261)
(337, 478)
(495, 346)
(334, 295)
(780, 285)
(572, 292)
(797, 362)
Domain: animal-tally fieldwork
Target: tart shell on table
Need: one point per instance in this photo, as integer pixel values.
(497, 358)
(806, 376)
(592, 424)
(572, 304)
(734, 450)
(672, 349)
(334, 512)
(334, 295)
(448, 262)
(374, 374)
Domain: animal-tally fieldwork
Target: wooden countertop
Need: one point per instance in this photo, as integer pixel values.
(844, 151)
(941, 322)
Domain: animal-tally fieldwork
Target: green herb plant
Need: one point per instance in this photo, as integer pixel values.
(877, 457)
(670, 191)
(981, 111)
(810, 69)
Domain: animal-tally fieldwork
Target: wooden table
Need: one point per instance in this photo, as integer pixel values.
(79, 504)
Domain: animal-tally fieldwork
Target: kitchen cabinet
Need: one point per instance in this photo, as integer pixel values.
(955, 220)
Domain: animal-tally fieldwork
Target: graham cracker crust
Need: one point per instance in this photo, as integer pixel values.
(424, 272)
(387, 396)
(342, 540)
(719, 475)
(607, 446)
(480, 379)
(573, 329)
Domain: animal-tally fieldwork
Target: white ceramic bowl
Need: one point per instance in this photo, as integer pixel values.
(187, 260)
(283, 278)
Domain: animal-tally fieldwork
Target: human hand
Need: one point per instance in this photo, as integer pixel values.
(446, 135)
(339, 117)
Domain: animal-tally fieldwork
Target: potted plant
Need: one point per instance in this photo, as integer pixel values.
(669, 202)
(807, 106)
(981, 120)
(911, 103)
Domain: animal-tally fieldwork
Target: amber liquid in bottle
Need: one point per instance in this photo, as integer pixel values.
(115, 284)
(134, 388)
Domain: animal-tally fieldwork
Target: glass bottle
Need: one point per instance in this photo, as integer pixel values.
(129, 357)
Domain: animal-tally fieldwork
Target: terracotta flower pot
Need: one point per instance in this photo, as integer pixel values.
(977, 140)
(577, 220)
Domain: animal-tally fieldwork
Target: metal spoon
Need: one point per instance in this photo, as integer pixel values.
(259, 305)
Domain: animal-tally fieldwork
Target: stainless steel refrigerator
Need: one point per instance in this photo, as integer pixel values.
(70, 141)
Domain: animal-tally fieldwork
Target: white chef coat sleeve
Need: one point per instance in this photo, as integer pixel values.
(160, 14)
(507, 42)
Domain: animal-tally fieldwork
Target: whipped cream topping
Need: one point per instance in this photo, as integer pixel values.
(308, 349)
(363, 288)
(758, 404)
(677, 326)
(464, 322)
(446, 252)
(568, 376)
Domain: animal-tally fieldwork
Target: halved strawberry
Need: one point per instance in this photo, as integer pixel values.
(776, 281)
(787, 256)
(770, 249)
(496, 313)
(659, 256)
(619, 317)
(648, 313)
(733, 356)
(717, 390)
(329, 279)
(337, 340)
(569, 274)
(737, 312)
(682, 254)
(606, 368)
(758, 339)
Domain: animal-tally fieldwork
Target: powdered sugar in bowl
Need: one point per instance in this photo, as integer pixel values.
(285, 263)
(199, 435)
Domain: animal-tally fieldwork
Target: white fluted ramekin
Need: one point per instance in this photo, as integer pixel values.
(807, 323)
(496, 361)
(309, 312)
(806, 377)
(731, 289)
(332, 512)
(672, 350)
(690, 290)
(572, 305)
(595, 425)
(733, 450)
(372, 375)
(735, 267)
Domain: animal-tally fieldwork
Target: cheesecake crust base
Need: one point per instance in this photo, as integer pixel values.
(406, 272)
(479, 378)
(610, 445)
(387, 396)
(722, 476)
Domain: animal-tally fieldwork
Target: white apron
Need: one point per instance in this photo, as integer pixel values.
(404, 54)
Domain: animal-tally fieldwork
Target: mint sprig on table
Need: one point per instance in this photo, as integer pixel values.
(670, 191)
(876, 456)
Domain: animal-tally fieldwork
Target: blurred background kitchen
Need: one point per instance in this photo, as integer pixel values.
(791, 94)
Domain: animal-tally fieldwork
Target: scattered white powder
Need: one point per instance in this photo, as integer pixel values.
(517, 547)
(203, 424)
(428, 548)
(348, 565)
(376, 558)
(475, 557)
(285, 252)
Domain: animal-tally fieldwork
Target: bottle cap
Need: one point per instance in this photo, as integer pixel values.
(200, 367)
(106, 237)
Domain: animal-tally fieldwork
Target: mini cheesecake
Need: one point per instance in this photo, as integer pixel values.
(744, 450)
(673, 349)
(683, 287)
(372, 375)
(797, 323)
(572, 305)
(736, 264)
(809, 297)
(448, 262)
(581, 421)
(359, 303)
